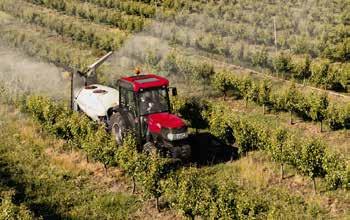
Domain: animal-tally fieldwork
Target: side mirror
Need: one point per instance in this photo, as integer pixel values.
(174, 91)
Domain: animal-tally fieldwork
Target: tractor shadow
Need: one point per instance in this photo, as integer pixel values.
(209, 150)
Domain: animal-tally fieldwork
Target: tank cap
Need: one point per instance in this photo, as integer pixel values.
(90, 87)
(99, 91)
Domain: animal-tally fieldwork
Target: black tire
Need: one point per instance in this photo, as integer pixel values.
(118, 127)
(149, 148)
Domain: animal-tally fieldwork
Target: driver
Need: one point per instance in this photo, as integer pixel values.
(147, 103)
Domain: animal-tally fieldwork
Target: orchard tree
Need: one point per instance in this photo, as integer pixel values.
(334, 165)
(156, 171)
(279, 142)
(335, 117)
(193, 193)
(223, 204)
(192, 109)
(244, 87)
(282, 63)
(101, 147)
(292, 100)
(249, 136)
(264, 92)
(319, 72)
(35, 106)
(221, 123)
(311, 160)
(202, 71)
(133, 163)
(301, 68)
(221, 82)
(261, 58)
(79, 127)
(319, 106)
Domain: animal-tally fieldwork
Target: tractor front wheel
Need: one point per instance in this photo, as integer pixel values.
(149, 148)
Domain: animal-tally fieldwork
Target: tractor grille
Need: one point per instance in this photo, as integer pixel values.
(178, 130)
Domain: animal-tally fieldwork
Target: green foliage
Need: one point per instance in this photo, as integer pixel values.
(101, 147)
(301, 68)
(264, 93)
(314, 106)
(279, 143)
(78, 30)
(282, 63)
(157, 170)
(54, 190)
(319, 106)
(250, 205)
(293, 98)
(245, 85)
(191, 109)
(249, 136)
(261, 58)
(77, 128)
(92, 13)
(39, 42)
(130, 7)
(319, 71)
(334, 165)
(133, 163)
(224, 205)
(10, 211)
(311, 159)
(338, 116)
(221, 82)
(193, 193)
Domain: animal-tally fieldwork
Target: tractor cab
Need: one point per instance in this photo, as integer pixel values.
(144, 106)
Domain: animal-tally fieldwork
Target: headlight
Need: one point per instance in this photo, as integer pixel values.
(174, 137)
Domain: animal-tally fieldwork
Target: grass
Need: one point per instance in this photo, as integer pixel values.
(293, 195)
(49, 189)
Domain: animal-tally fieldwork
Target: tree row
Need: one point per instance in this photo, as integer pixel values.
(127, 6)
(94, 13)
(40, 43)
(309, 156)
(308, 106)
(189, 190)
(95, 36)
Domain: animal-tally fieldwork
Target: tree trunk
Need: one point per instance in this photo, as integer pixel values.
(133, 185)
(263, 109)
(157, 204)
(291, 117)
(246, 103)
(87, 158)
(321, 126)
(106, 168)
(282, 171)
(314, 184)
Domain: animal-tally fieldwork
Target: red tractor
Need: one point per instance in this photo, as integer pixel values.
(140, 104)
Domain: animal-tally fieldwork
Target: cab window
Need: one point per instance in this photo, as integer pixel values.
(127, 100)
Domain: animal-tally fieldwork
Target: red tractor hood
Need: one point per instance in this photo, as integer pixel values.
(164, 120)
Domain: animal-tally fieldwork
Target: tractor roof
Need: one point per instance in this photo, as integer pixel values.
(145, 81)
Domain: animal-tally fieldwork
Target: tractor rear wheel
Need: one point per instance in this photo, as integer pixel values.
(117, 127)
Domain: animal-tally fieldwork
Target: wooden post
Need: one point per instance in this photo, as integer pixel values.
(133, 185)
(275, 33)
(71, 90)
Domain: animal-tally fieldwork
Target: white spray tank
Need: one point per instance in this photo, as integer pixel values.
(94, 100)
